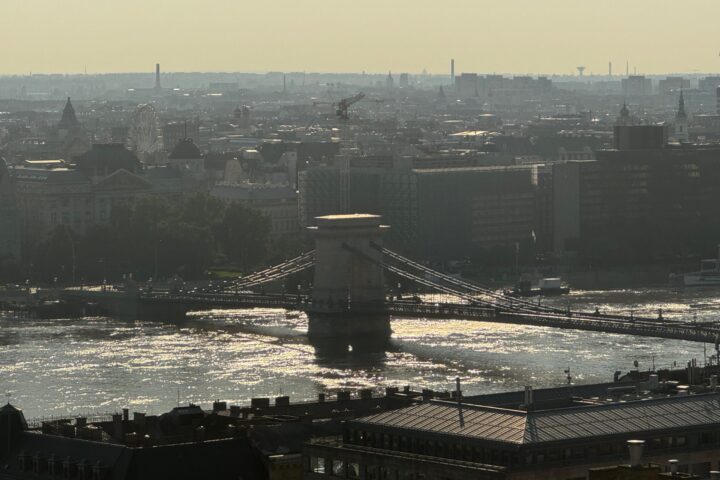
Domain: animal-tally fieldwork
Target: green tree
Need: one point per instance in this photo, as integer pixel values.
(56, 256)
(244, 236)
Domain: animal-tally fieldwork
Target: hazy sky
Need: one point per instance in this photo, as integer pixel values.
(510, 36)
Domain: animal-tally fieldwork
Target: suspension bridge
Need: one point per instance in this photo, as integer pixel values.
(349, 296)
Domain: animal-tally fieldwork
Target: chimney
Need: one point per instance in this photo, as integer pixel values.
(458, 392)
(157, 77)
(452, 71)
(528, 396)
(653, 382)
(673, 466)
(117, 426)
(636, 452)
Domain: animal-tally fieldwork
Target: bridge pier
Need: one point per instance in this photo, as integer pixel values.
(348, 289)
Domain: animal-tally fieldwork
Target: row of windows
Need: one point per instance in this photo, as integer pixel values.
(499, 457)
(433, 448)
(343, 469)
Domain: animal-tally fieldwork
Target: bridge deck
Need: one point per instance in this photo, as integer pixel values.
(671, 329)
(649, 327)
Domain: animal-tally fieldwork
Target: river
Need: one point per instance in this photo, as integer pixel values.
(70, 366)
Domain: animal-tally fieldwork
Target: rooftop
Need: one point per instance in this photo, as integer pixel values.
(348, 220)
(520, 427)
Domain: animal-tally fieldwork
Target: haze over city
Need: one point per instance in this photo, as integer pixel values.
(512, 36)
(365, 240)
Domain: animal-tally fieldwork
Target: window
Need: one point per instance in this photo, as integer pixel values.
(338, 468)
(353, 470)
(708, 437)
(317, 465)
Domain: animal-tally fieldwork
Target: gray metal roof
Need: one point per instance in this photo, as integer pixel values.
(576, 423)
(256, 192)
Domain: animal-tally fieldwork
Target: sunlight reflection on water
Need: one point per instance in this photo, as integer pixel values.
(101, 364)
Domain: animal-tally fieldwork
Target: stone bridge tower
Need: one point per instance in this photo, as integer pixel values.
(349, 284)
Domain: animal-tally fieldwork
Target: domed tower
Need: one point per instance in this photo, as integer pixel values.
(681, 121)
(624, 119)
(186, 156)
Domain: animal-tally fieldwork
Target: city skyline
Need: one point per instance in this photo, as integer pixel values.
(518, 36)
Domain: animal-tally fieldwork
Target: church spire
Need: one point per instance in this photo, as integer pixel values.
(681, 121)
(68, 120)
(681, 107)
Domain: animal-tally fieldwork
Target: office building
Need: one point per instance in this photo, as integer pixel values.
(642, 200)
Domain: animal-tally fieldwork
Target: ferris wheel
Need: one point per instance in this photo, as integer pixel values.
(144, 134)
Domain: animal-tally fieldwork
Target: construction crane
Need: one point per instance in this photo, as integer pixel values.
(344, 104)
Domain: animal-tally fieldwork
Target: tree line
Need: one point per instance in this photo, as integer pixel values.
(153, 238)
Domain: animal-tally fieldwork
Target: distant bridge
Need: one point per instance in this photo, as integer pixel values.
(349, 298)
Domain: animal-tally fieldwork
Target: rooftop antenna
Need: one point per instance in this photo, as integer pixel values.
(581, 70)
(458, 397)
(178, 402)
(8, 395)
